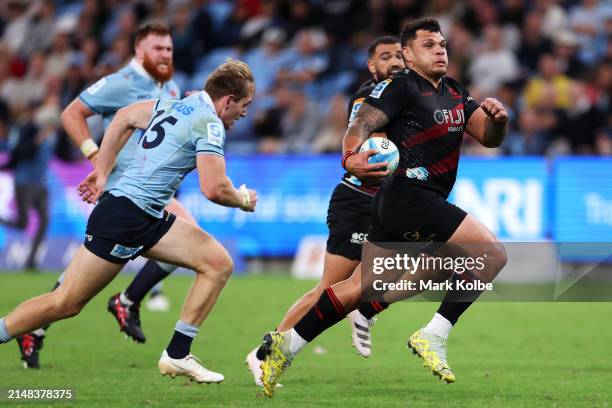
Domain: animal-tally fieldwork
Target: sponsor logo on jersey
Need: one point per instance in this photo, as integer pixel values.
(356, 105)
(358, 237)
(97, 86)
(419, 173)
(215, 134)
(449, 116)
(378, 90)
(121, 251)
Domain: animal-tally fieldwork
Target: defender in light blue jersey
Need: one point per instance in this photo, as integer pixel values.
(130, 220)
(148, 76)
(166, 151)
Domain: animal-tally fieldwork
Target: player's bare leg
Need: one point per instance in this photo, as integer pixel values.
(125, 306)
(86, 275)
(187, 245)
(429, 343)
(158, 302)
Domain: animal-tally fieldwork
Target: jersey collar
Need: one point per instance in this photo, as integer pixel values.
(205, 97)
(143, 72)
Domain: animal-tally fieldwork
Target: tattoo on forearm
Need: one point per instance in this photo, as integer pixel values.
(368, 120)
(372, 118)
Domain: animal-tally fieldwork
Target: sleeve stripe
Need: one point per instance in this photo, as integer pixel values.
(209, 152)
(89, 106)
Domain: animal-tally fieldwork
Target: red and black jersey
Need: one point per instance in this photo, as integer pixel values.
(353, 107)
(426, 124)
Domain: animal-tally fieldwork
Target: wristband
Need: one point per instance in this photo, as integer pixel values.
(345, 156)
(246, 197)
(89, 148)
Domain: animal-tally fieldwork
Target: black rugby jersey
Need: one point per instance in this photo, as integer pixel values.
(353, 107)
(426, 124)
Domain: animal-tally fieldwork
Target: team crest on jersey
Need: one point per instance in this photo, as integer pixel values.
(356, 106)
(215, 134)
(378, 90)
(97, 86)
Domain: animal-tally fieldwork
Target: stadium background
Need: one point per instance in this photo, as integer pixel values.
(548, 61)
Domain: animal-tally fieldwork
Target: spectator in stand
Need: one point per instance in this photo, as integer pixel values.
(182, 38)
(23, 92)
(581, 121)
(309, 60)
(566, 54)
(30, 159)
(329, 138)
(587, 20)
(549, 74)
(533, 43)
(554, 17)
(530, 138)
(41, 24)
(494, 64)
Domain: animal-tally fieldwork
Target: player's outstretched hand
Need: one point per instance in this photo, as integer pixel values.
(250, 198)
(359, 167)
(92, 187)
(494, 110)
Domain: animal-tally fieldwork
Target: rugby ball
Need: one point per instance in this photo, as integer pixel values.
(387, 152)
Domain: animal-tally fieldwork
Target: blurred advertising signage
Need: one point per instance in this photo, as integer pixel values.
(519, 199)
(508, 195)
(293, 195)
(583, 199)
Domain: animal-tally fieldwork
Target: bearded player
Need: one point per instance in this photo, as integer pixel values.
(147, 76)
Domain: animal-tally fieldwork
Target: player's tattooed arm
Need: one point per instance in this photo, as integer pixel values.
(368, 120)
(488, 123)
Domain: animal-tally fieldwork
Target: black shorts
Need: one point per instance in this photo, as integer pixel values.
(118, 230)
(348, 220)
(408, 212)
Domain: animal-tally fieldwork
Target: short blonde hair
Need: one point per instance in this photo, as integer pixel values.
(233, 77)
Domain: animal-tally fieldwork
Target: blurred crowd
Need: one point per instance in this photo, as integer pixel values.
(548, 61)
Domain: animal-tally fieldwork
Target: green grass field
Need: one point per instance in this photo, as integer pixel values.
(504, 354)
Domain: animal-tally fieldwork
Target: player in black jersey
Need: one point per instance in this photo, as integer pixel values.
(425, 114)
(348, 217)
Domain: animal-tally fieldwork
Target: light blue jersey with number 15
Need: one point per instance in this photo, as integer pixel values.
(167, 150)
(130, 84)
